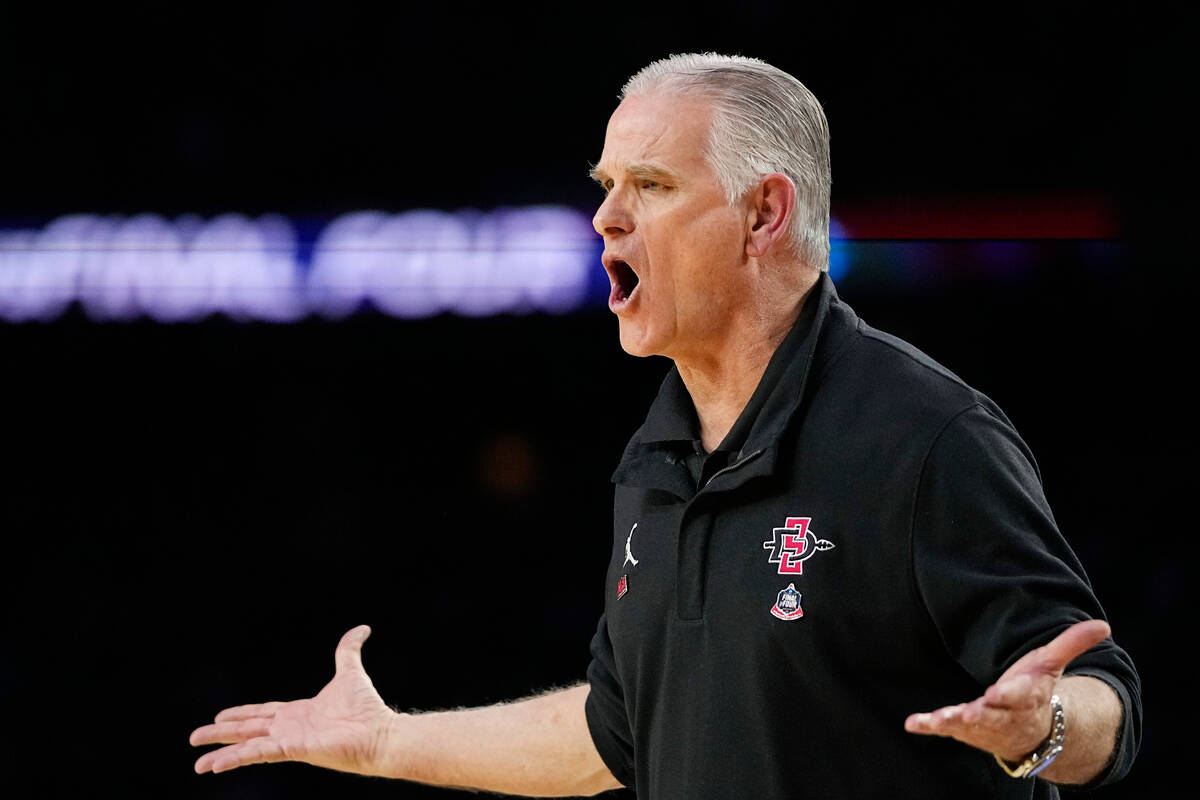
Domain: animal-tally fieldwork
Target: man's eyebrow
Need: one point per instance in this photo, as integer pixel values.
(651, 172)
(644, 171)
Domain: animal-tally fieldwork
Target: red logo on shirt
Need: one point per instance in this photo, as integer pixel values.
(793, 544)
(622, 586)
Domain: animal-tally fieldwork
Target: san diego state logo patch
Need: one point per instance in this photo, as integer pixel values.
(793, 544)
(787, 604)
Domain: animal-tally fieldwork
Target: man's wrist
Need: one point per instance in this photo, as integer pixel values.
(390, 749)
(1046, 752)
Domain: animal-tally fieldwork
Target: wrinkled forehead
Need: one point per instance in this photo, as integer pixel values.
(661, 127)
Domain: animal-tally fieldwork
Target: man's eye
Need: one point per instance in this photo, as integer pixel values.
(652, 185)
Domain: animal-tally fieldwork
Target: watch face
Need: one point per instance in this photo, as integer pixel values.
(1047, 761)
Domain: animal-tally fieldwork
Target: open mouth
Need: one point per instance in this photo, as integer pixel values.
(625, 282)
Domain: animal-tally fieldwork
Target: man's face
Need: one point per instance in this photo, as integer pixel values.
(673, 247)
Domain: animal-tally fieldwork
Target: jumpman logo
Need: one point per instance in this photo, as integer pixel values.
(629, 559)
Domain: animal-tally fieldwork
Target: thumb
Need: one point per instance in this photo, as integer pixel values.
(1072, 642)
(349, 650)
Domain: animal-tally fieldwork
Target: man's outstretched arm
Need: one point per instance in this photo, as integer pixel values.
(540, 747)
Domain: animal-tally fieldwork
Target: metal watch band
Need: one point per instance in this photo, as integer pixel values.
(1046, 752)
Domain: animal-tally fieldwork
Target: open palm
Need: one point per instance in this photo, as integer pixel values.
(1013, 715)
(340, 728)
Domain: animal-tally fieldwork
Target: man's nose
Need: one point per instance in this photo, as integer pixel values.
(613, 216)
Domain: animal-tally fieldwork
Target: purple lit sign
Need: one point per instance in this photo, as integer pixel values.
(411, 264)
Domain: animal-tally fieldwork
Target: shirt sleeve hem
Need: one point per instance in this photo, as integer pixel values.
(605, 744)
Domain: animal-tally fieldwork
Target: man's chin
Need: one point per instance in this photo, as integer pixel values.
(634, 340)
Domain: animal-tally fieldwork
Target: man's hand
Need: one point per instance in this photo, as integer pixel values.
(1013, 716)
(536, 747)
(341, 728)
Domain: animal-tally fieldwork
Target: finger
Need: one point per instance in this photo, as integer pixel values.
(205, 762)
(933, 722)
(248, 711)
(230, 732)
(974, 723)
(1072, 642)
(255, 751)
(980, 715)
(349, 650)
(1019, 692)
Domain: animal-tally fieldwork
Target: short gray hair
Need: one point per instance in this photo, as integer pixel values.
(764, 121)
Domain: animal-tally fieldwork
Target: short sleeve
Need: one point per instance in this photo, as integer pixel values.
(607, 718)
(995, 574)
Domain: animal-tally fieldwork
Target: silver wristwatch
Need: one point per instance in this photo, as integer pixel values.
(1046, 752)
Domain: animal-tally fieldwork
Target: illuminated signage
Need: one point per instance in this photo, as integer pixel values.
(410, 264)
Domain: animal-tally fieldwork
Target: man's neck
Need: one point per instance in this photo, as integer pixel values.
(722, 381)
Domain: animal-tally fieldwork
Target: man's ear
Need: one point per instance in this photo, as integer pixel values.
(772, 203)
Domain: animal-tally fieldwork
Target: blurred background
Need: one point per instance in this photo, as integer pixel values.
(302, 325)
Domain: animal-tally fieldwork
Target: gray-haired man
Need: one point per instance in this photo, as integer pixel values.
(817, 532)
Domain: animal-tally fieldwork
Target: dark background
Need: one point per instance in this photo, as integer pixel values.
(193, 514)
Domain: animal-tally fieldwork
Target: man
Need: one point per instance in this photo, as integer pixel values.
(817, 532)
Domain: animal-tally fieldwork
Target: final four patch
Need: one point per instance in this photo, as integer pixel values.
(622, 586)
(793, 544)
(787, 604)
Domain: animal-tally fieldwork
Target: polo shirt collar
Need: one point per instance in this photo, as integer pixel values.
(671, 422)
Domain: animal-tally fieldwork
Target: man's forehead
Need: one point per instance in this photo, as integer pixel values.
(655, 131)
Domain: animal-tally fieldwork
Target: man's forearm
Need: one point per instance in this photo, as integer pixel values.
(540, 747)
(1093, 715)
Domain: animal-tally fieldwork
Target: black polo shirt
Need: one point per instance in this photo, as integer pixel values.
(878, 544)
